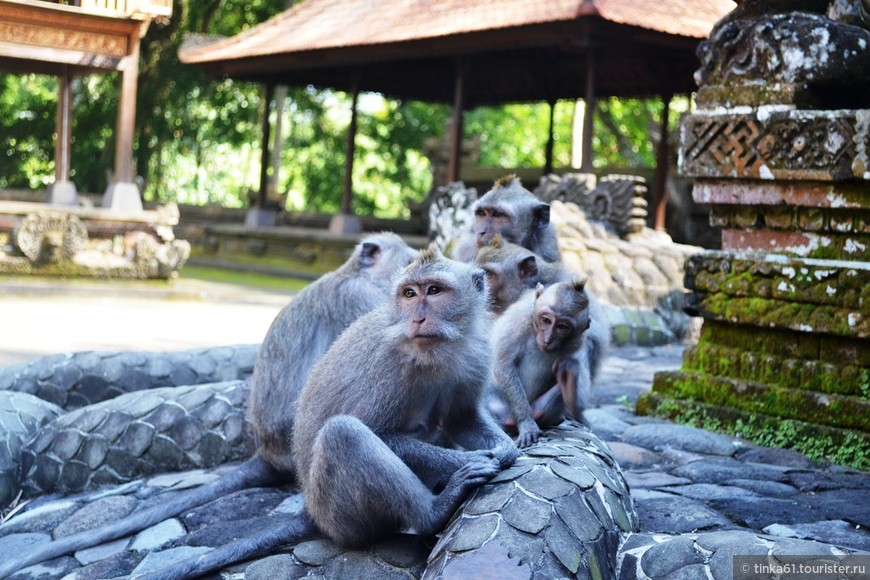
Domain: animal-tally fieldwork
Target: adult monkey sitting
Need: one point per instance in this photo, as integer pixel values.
(298, 337)
(514, 213)
(392, 411)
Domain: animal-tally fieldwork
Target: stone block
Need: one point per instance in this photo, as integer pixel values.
(811, 219)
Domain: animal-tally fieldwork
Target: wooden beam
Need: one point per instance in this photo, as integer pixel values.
(586, 165)
(661, 176)
(456, 128)
(268, 94)
(548, 152)
(62, 156)
(350, 150)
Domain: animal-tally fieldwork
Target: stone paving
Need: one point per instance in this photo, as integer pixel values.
(699, 498)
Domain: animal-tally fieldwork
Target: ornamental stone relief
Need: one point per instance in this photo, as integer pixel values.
(830, 145)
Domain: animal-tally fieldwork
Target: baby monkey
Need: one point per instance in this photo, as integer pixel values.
(548, 347)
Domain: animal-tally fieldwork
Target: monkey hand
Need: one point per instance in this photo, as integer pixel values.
(476, 472)
(506, 455)
(529, 433)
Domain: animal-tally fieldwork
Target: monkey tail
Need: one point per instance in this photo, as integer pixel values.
(281, 534)
(252, 473)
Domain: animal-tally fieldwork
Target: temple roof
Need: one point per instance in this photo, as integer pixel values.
(515, 50)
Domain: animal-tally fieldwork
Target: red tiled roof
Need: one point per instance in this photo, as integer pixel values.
(313, 25)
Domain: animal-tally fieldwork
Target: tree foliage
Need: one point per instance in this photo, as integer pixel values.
(198, 139)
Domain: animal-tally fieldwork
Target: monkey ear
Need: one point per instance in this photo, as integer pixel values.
(579, 284)
(368, 254)
(539, 289)
(479, 280)
(528, 268)
(541, 213)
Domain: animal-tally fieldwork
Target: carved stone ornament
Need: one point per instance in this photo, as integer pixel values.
(777, 144)
(50, 237)
(793, 58)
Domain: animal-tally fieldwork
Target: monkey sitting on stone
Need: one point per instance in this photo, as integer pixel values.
(390, 430)
(512, 270)
(307, 327)
(298, 337)
(513, 212)
(548, 348)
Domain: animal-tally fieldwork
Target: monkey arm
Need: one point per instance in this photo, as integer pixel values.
(509, 385)
(474, 428)
(431, 463)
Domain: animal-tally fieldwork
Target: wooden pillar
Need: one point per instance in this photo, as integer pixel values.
(548, 152)
(62, 144)
(123, 193)
(346, 222)
(259, 215)
(350, 150)
(63, 191)
(268, 95)
(586, 165)
(455, 157)
(661, 176)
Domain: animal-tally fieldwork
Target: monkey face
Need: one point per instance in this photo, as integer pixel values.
(490, 220)
(425, 304)
(552, 332)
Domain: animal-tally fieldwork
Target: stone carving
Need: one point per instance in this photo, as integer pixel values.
(558, 512)
(785, 144)
(791, 58)
(138, 434)
(79, 379)
(617, 200)
(21, 417)
(449, 214)
(50, 237)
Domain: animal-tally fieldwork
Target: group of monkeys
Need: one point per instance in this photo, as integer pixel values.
(383, 387)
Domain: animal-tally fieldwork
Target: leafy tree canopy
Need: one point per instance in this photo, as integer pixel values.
(198, 139)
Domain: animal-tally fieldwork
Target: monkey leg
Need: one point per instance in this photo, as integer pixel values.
(569, 372)
(549, 408)
(358, 490)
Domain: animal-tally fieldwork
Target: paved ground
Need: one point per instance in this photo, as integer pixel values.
(47, 318)
(700, 497)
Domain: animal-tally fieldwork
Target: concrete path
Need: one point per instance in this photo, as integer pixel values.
(52, 317)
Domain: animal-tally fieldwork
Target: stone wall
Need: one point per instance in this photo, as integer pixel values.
(780, 149)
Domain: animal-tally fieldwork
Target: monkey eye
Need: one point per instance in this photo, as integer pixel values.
(480, 212)
(498, 213)
(562, 327)
(408, 293)
(546, 320)
(433, 290)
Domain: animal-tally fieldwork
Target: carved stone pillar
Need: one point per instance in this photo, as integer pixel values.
(780, 148)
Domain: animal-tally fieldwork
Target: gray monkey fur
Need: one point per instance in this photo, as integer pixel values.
(300, 334)
(307, 327)
(380, 404)
(511, 270)
(529, 222)
(522, 372)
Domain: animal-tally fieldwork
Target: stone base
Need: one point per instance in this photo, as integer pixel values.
(258, 217)
(123, 197)
(345, 223)
(786, 341)
(62, 193)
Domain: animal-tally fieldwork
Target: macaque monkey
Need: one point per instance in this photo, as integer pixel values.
(307, 327)
(548, 347)
(512, 270)
(390, 432)
(298, 337)
(402, 381)
(513, 212)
